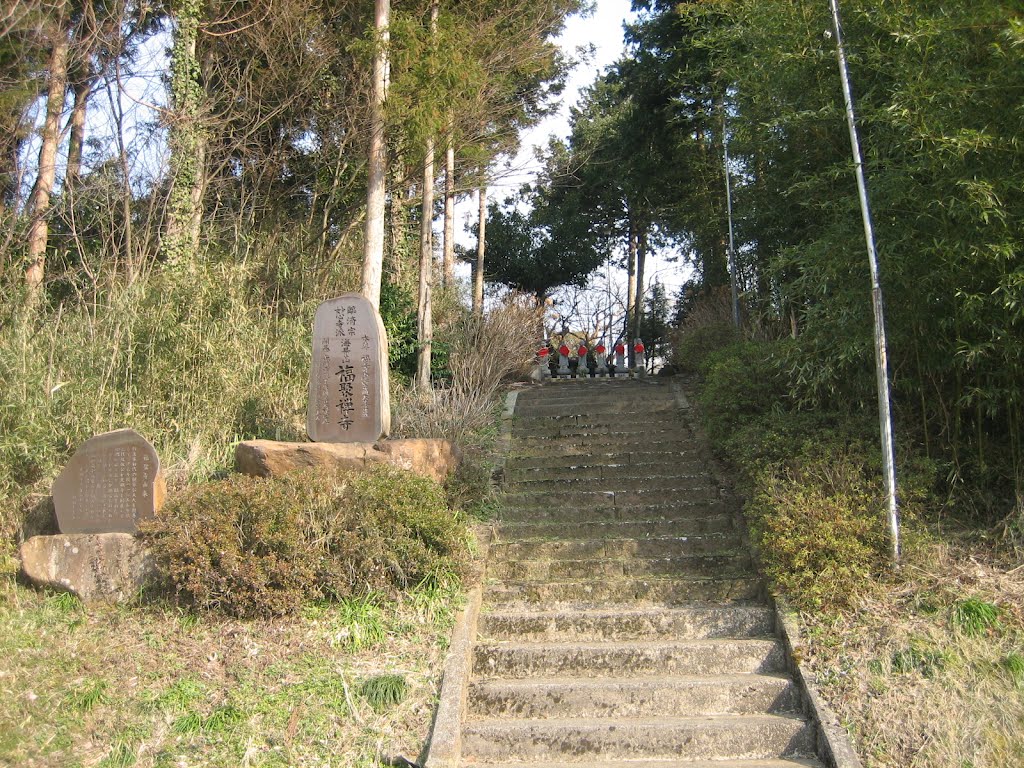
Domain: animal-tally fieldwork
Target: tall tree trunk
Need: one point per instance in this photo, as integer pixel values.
(76, 134)
(448, 256)
(630, 290)
(424, 320)
(187, 141)
(481, 242)
(373, 248)
(39, 200)
(641, 260)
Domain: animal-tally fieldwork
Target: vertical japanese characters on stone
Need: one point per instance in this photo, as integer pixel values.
(349, 400)
(112, 483)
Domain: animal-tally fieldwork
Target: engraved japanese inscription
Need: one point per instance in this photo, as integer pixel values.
(111, 483)
(349, 400)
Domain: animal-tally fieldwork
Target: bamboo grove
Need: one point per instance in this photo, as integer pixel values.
(940, 99)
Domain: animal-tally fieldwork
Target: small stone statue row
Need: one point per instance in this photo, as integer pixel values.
(605, 368)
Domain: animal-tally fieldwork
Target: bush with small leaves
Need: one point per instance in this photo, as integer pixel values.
(252, 547)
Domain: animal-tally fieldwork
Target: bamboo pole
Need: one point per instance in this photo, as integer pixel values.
(881, 346)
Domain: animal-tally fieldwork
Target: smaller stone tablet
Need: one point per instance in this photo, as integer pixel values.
(111, 484)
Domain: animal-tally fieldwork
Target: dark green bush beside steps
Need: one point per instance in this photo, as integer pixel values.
(251, 547)
(815, 500)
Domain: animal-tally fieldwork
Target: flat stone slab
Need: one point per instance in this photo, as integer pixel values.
(628, 658)
(793, 762)
(701, 695)
(431, 458)
(624, 623)
(100, 567)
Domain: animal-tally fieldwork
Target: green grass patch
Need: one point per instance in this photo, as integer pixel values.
(974, 617)
(1013, 663)
(88, 687)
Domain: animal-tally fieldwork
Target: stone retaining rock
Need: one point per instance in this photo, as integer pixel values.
(94, 566)
(427, 457)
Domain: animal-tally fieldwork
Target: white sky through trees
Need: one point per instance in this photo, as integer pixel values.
(598, 40)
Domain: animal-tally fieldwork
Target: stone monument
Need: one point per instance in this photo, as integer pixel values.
(349, 409)
(349, 399)
(111, 484)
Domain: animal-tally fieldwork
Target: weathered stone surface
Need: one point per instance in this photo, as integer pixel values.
(266, 458)
(349, 397)
(95, 567)
(111, 484)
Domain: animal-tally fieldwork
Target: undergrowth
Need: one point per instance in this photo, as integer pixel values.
(155, 686)
(191, 362)
(922, 663)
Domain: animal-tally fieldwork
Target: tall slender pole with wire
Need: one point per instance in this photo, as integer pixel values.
(733, 278)
(881, 348)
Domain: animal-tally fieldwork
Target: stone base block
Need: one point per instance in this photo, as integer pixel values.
(427, 457)
(94, 566)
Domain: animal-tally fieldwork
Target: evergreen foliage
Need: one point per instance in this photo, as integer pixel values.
(937, 92)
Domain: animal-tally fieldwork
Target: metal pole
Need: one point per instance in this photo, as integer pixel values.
(881, 348)
(732, 239)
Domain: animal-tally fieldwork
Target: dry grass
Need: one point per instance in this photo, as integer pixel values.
(486, 354)
(915, 682)
(153, 687)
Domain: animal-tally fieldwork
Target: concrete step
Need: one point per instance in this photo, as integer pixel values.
(594, 549)
(619, 389)
(633, 697)
(628, 658)
(661, 440)
(626, 480)
(694, 623)
(794, 762)
(691, 565)
(581, 455)
(698, 490)
(649, 510)
(583, 740)
(568, 403)
(609, 471)
(597, 594)
(664, 427)
(591, 415)
(697, 525)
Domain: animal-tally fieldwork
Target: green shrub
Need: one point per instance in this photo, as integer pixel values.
(741, 381)
(820, 527)
(238, 545)
(407, 533)
(256, 547)
(692, 345)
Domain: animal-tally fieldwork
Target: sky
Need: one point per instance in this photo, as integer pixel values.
(604, 31)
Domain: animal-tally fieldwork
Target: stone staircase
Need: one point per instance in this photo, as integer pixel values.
(622, 624)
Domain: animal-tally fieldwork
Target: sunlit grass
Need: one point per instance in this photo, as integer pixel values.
(88, 686)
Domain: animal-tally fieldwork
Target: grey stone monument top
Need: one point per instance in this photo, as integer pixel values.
(349, 399)
(111, 484)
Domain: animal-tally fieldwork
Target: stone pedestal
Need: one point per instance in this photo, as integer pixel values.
(96, 567)
(266, 458)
